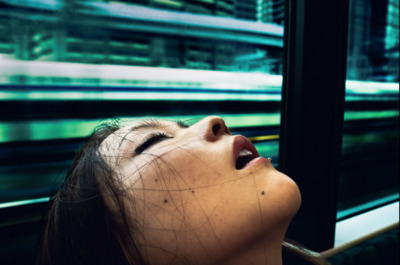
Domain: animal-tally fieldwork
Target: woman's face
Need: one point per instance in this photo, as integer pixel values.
(192, 201)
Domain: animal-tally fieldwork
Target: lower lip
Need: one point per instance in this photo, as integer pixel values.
(256, 161)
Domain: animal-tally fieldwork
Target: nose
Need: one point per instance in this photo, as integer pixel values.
(212, 128)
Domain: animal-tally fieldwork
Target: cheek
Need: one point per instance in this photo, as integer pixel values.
(176, 196)
(191, 166)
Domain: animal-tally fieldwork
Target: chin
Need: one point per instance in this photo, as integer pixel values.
(293, 197)
(285, 194)
(297, 199)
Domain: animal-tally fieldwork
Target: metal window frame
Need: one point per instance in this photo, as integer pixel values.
(313, 95)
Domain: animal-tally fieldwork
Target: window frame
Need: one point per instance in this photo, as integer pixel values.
(313, 97)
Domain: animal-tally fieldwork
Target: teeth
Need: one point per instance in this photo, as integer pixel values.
(245, 152)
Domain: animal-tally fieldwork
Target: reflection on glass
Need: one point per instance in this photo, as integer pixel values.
(67, 65)
(212, 34)
(369, 176)
(373, 51)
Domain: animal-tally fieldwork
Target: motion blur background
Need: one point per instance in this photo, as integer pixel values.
(67, 66)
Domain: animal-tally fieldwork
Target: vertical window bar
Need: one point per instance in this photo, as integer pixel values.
(312, 113)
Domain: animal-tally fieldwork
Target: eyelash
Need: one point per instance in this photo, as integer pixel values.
(152, 139)
(182, 124)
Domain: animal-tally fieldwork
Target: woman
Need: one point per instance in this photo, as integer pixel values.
(160, 192)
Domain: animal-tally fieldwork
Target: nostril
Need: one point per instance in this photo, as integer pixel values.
(216, 128)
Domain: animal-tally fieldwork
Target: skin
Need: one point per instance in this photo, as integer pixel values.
(191, 203)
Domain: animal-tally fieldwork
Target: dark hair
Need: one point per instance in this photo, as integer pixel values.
(81, 228)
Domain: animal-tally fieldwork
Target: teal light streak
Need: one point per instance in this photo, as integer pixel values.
(268, 149)
(78, 74)
(23, 202)
(369, 87)
(371, 91)
(135, 96)
(365, 206)
(64, 129)
(359, 115)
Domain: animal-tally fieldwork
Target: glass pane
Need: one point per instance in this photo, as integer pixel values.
(66, 66)
(370, 167)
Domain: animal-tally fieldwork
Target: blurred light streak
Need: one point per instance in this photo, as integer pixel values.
(23, 202)
(366, 223)
(264, 138)
(64, 129)
(185, 19)
(151, 96)
(103, 78)
(379, 114)
(365, 206)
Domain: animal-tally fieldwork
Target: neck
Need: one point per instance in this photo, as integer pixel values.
(266, 251)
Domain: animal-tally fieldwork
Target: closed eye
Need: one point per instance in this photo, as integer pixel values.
(151, 140)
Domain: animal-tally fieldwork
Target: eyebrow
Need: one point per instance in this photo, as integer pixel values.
(154, 124)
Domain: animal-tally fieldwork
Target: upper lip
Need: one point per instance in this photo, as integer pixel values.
(241, 143)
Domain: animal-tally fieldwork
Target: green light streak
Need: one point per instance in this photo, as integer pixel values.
(268, 149)
(64, 129)
(134, 96)
(365, 206)
(169, 2)
(360, 115)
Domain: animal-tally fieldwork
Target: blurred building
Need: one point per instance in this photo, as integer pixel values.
(104, 43)
(7, 44)
(271, 11)
(373, 40)
(358, 63)
(392, 40)
(225, 8)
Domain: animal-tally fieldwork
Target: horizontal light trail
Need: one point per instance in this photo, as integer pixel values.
(63, 129)
(39, 80)
(264, 138)
(366, 223)
(134, 96)
(362, 115)
(23, 202)
(34, 130)
(342, 214)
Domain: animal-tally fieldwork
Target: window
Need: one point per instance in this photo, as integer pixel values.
(369, 183)
(369, 175)
(316, 114)
(68, 65)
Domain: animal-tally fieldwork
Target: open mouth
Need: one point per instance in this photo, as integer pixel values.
(244, 152)
(245, 156)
